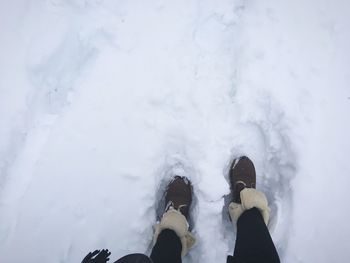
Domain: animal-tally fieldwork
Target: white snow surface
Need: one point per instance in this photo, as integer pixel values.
(102, 101)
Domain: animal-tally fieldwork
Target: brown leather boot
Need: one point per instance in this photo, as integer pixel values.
(242, 175)
(179, 195)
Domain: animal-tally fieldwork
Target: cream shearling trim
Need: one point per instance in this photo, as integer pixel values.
(250, 198)
(177, 222)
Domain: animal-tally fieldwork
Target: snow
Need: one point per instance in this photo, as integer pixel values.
(102, 101)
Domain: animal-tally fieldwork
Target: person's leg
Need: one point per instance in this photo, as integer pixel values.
(249, 212)
(172, 238)
(167, 248)
(253, 241)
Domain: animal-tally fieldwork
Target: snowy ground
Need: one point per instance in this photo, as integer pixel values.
(100, 100)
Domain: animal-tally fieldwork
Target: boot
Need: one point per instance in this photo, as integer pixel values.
(178, 199)
(242, 175)
(244, 195)
(179, 195)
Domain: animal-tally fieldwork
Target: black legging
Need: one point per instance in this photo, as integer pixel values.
(253, 243)
(167, 248)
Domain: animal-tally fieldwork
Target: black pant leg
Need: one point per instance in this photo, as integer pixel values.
(167, 248)
(134, 258)
(253, 242)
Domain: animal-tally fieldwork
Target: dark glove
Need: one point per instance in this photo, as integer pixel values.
(98, 256)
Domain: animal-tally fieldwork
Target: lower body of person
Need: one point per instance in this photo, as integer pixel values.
(248, 211)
